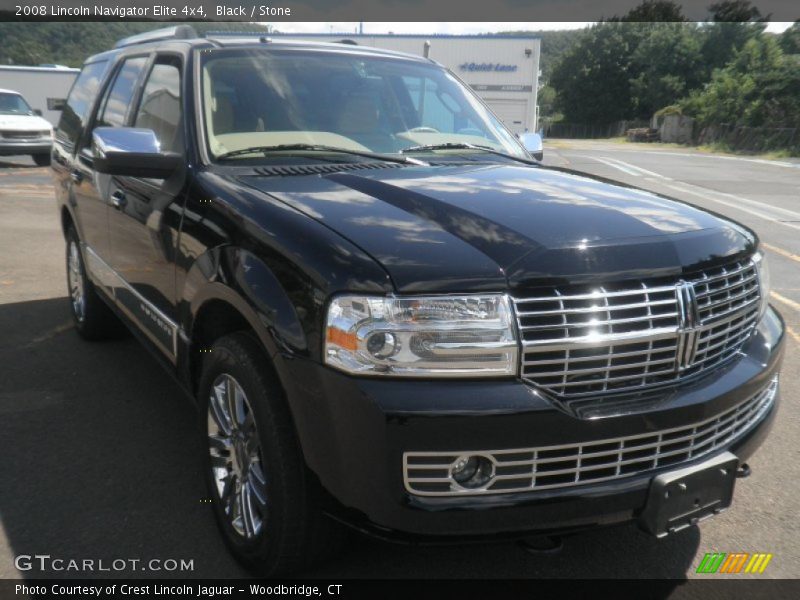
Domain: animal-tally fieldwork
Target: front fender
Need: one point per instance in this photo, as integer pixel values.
(242, 280)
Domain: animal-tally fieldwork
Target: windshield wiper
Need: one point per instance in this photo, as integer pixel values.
(467, 146)
(405, 160)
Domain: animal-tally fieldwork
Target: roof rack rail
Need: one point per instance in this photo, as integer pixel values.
(179, 32)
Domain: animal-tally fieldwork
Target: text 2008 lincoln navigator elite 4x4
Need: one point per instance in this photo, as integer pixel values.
(389, 314)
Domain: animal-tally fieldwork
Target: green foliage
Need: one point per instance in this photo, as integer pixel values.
(759, 88)
(547, 101)
(790, 39)
(672, 109)
(652, 11)
(71, 43)
(667, 64)
(631, 66)
(733, 24)
(592, 79)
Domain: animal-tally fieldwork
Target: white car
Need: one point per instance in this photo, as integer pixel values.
(22, 130)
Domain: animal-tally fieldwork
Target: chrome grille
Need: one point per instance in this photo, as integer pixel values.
(627, 337)
(24, 135)
(549, 467)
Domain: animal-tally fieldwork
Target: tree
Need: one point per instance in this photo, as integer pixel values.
(592, 79)
(734, 11)
(547, 102)
(651, 11)
(759, 88)
(666, 65)
(790, 39)
(72, 43)
(733, 24)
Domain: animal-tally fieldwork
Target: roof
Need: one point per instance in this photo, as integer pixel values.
(59, 69)
(2, 91)
(226, 40)
(267, 40)
(351, 35)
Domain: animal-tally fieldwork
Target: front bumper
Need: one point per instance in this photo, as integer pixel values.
(355, 432)
(14, 147)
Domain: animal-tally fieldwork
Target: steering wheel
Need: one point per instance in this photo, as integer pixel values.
(424, 130)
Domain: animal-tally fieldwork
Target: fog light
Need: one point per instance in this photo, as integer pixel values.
(382, 345)
(472, 471)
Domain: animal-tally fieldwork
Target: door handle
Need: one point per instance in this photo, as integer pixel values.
(76, 176)
(118, 200)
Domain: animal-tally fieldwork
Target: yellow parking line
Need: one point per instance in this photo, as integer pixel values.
(785, 300)
(781, 251)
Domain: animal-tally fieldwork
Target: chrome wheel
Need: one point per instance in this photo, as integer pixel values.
(236, 457)
(75, 280)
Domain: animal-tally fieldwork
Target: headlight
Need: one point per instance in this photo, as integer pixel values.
(431, 336)
(764, 284)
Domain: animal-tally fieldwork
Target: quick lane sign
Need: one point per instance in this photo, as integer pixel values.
(483, 67)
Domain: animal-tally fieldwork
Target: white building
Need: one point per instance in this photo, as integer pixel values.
(503, 70)
(43, 87)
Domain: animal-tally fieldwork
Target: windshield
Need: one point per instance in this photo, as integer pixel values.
(14, 104)
(264, 98)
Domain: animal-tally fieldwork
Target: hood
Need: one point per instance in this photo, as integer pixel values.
(24, 123)
(485, 227)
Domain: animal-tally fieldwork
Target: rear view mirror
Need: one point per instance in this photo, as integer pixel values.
(37, 112)
(533, 144)
(133, 152)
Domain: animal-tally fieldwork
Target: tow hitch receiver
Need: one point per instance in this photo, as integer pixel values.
(681, 498)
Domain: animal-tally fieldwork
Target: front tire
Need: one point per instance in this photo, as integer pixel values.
(265, 502)
(93, 319)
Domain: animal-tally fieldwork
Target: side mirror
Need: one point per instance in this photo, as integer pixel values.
(133, 152)
(37, 112)
(533, 144)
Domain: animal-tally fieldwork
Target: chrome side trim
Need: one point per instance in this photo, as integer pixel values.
(146, 314)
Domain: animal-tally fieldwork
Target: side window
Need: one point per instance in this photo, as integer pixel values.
(80, 101)
(160, 108)
(119, 96)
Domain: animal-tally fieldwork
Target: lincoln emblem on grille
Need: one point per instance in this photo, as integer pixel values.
(688, 325)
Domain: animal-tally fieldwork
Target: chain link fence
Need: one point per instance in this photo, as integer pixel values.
(730, 137)
(751, 139)
(590, 131)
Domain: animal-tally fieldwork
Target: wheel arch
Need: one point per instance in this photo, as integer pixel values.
(67, 220)
(241, 293)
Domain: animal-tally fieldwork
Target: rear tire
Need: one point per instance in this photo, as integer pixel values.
(266, 502)
(42, 160)
(92, 317)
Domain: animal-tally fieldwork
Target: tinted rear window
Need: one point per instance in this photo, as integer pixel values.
(80, 100)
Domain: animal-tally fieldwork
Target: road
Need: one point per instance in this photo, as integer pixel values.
(101, 456)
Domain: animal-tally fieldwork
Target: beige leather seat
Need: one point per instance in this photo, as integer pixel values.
(222, 117)
(359, 120)
(359, 116)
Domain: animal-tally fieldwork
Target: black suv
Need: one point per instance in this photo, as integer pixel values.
(389, 314)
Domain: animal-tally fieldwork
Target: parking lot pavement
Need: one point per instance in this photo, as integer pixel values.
(101, 458)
